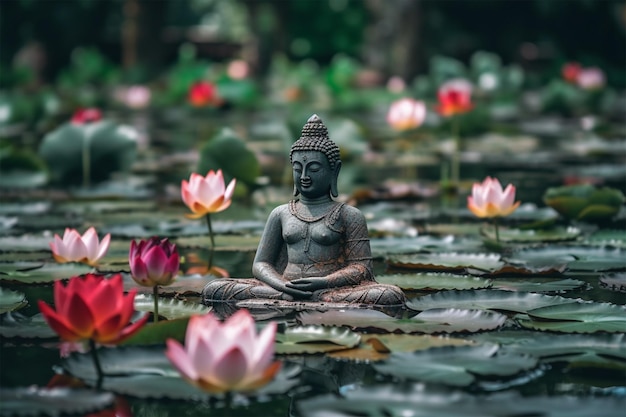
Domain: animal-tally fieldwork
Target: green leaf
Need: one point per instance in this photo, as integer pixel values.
(434, 281)
(158, 333)
(315, 339)
(584, 202)
(455, 365)
(168, 307)
(448, 261)
(38, 273)
(537, 284)
(486, 299)
(11, 300)
(531, 236)
(17, 325)
(614, 281)
(576, 317)
(34, 401)
(577, 258)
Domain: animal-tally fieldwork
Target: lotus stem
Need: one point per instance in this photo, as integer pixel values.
(155, 295)
(86, 162)
(495, 221)
(96, 362)
(456, 163)
(212, 249)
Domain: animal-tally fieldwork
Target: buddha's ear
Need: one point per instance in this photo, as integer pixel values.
(295, 190)
(334, 191)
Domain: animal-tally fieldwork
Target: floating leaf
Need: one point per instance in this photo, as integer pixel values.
(145, 372)
(444, 320)
(17, 325)
(561, 346)
(614, 281)
(486, 299)
(168, 307)
(183, 284)
(447, 261)
(537, 284)
(315, 339)
(577, 258)
(532, 236)
(37, 273)
(377, 347)
(584, 202)
(605, 237)
(159, 332)
(434, 281)
(456, 365)
(11, 300)
(37, 401)
(576, 317)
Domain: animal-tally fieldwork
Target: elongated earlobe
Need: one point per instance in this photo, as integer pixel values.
(334, 190)
(295, 191)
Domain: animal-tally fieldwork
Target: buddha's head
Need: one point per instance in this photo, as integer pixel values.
(315, 161)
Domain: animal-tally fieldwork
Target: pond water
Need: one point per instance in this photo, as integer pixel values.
(534, 353)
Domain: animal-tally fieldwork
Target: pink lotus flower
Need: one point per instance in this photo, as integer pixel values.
(76, 248)
(92, 307)
(202, 94)
(227, 356)
(153, 262)
(488, 199)
(88, 115)
(455, 97)
(135, 96)
(406, 113)
(591, 78)
(205, 195)
(238, 69)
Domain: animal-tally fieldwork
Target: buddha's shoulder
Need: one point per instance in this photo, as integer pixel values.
(280, 210)
(349, 212)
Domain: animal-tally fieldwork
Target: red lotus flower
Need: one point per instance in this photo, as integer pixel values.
(153, 262)
(489, 200)
(203, 93)
(406, 113)
(92, 307)
(570, 71)
(455, 97)
(76, 248)
(206, 195)
(227, 356)
(88, 115)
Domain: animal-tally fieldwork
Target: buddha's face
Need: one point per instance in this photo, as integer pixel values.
(312, 173)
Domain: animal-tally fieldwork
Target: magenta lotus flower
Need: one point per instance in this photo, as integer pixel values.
(228, 356)
(455, 97)
(153, 262)
(76, 248)
(489, 200)
(206, 195)
(406, 113)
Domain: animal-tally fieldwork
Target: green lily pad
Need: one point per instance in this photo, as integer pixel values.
(11, 300)
(606, 237)
(577, 258)
(486, 299)
(37, 273)
(315, 339)
(615, 281)
(562, 346)
(434, 281)
(447, 261)
(38, 401)
(25, 242)
(168, 307)
(576, 317)
(145, 372)
(222, 242)
(159, 332)
(456, 365)
(182, 285)
(584, 202)
(440, 320)
(18, 325)
(538, 284)
(532, 236)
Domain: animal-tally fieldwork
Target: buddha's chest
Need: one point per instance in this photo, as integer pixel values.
(318, 233)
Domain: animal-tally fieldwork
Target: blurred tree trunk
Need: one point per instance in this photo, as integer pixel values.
(142, 34)
(394, 39)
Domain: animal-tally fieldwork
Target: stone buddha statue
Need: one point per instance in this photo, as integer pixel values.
(312, 248)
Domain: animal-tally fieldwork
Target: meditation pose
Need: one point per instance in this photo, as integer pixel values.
(313, 248)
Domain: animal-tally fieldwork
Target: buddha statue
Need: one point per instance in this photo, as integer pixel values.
(312, 248)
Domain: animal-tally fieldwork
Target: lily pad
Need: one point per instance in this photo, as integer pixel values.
(606, 237)
(584, 202)
(145, 372)
(18, 325)
(159, 332)
(169, 307)
(441, 320)
(434, 281)
(456, 365)
(37, 273)
(11, 300)
(532, 236)
(562, 346)
(182, 285)
(615, 281)
(538, 284)
(577, 258)
(41, 401)
(576, 317)
(448, 261)
(315, 339)
(486, 299)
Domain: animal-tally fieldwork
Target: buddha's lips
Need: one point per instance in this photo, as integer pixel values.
(306, 183)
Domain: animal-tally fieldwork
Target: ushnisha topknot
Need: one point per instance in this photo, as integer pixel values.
(314, 137)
